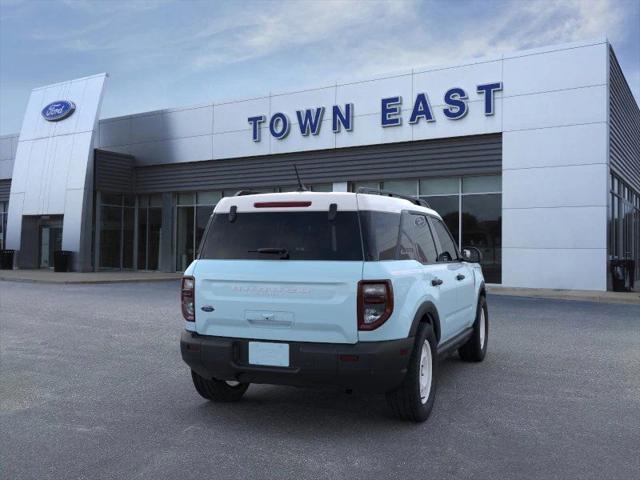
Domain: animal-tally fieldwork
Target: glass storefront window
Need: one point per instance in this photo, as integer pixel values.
(208, 198)
(471, 207)
(186, 198)
(149, 228)
(439, 186)
(370, 184)
(484, 184)
(4, 207)
(193, 212)
(185, 235)
(117, 230)
(403, 187)
(110, 236)
(624, 234)
(482, 228)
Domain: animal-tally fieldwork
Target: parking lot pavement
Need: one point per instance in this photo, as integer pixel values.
(92, 386)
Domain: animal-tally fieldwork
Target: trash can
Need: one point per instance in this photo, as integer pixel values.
(61, 260)
(619, 275)
(6, 259)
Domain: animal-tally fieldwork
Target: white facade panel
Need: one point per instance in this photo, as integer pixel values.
(148, 128)
(473, 123)
(34, 185)
(72, 221)
(553, 109)
(550, 147)
(20, 175)
(31, 120)
(366, 96)
(191, 122)
(562, 227)
(77, 173)
(114, 132)
(73, 91)
(367, 130)
(574, 186)
(14, 219)
(572, 269)
(60, 171)
(556, 70)
(6, 169)
(436, 82)
(52, 159)
(291, 102)
(88, 109)
(189, 149)
(234, 144)
(232, 117)
(295, 142)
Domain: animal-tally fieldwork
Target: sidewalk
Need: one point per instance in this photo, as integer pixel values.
(581, 295)
(49, 276)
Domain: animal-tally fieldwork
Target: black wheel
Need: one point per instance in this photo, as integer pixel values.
(218, 390)
(476, 347)
(413, 399)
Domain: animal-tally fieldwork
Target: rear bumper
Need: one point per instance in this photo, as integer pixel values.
(365, 366)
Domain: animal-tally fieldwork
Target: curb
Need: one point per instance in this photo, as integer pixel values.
(87, 282)
(630, 298)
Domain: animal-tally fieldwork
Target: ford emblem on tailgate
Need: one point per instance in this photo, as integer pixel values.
(56, 111)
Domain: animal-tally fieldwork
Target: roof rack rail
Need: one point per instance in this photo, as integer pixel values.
(385, 193)
(241, 193)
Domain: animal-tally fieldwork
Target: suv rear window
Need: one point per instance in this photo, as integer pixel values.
(302, 235)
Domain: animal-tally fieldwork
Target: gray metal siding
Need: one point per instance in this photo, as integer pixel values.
(114, 172)
(624, 126)
(480, 154)
(5, 189)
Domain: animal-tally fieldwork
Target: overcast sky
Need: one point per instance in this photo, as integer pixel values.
(169, 53)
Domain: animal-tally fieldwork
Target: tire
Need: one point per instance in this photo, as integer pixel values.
(218, 390)
(476, 347)
(408, 401)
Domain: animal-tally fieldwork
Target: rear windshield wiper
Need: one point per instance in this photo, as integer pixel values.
(283, 252)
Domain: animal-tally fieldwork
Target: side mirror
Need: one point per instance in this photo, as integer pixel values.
(471, 255)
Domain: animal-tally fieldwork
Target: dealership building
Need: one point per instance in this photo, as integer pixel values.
(533, 157)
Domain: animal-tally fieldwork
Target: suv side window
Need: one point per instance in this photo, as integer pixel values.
(448, 250)
(379, 235)
(416, 242)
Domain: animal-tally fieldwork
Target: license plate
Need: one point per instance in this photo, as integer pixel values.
(271, 354)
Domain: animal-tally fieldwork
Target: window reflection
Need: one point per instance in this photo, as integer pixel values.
(482, 228)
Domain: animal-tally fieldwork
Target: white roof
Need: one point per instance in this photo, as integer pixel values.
(319, 201)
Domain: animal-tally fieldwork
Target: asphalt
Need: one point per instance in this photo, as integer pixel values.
(92, 386)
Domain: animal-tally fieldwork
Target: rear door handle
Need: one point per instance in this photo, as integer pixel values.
(436, 281)
(460, 277)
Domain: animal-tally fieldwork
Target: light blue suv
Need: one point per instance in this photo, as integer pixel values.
(357, 290)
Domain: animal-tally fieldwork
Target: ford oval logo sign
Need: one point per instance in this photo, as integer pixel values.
(56, 111)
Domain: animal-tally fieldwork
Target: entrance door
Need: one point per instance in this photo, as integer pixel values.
(50, 241)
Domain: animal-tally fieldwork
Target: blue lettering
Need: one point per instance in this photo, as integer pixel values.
(421, 109)
(456, 99)
(279, 125)
(311, 122)
(255, 126)
(390, 109)
(346, 119)
(488, 90)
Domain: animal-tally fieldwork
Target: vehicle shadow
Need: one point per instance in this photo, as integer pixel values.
(281, 409)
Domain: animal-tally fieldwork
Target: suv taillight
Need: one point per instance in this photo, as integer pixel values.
(375, 303)
(187, 295)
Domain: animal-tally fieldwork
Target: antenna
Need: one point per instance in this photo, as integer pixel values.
(301, 187)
